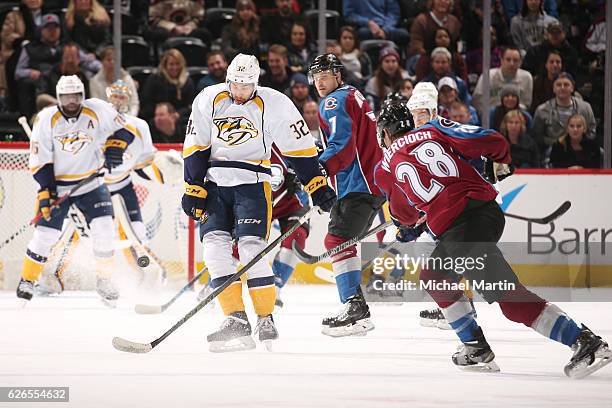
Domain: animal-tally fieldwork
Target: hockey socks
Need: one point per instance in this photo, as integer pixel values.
(33, 265)
(348, 283)
(556, 325)
(282, 272)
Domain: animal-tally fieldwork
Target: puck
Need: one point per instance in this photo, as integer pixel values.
(143, 261)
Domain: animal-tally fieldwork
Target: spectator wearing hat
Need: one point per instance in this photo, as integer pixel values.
(508, 73)
(441, 67)
(543, 82)
(528, 27)
(299, 91)
(18, 25)
(510, 100)
(424, 26)
(387, 77)
(38, 58)
(278, 75)
(555, 39)
(376, 19)
(217, 68)
(551, 117)
(448, 94)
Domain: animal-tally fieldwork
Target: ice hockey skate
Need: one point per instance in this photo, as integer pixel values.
(25, 291)
(233, 335)
(107, 291)
(266, 330)
(353, 319)
(476, 355)
(590, 354)
(434, 318)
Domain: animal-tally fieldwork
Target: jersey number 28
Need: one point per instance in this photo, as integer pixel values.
(438, 163)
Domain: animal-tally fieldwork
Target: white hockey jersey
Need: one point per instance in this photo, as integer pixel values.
(73, 145)
(240, 137)
(139, 154)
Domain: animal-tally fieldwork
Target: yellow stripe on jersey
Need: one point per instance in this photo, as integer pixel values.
(74, 176)
(35, 169)
(188, 151)
(220, 96)
(259, 102)
(268, 194)
(311, 152)
(264, 163)
(133, 129)
(89, 112)
(56, 116)
(113, 178)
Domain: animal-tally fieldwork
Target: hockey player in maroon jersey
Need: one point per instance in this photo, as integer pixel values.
(348, 129)
(427, 169)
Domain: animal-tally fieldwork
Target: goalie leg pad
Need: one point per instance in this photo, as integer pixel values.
(103, 235)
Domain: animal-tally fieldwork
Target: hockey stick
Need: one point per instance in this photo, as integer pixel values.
(545, 220)
(133, 347)
(55, 205)
(156, 309)
(313, 259)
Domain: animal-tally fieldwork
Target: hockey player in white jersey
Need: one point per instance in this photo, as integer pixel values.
(70, 142)
(139, 154)
(227, 152)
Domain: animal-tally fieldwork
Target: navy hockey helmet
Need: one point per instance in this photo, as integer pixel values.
(324, 62)
(396, 118)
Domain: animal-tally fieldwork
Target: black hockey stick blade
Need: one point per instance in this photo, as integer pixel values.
(313, 259)
(130, 346)
(563, 208)
(133, 347)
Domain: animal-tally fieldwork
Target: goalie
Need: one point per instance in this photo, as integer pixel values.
(66, 148)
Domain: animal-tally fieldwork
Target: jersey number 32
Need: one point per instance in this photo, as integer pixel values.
(438, 163)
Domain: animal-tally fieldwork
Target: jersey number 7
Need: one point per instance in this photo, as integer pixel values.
(438, 163)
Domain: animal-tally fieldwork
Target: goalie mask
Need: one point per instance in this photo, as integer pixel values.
(70, 93)
(242, 77)
(394, 118)
(119, 94)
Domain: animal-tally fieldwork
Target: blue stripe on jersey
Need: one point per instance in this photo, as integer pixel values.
(565, 331)
(457, 130)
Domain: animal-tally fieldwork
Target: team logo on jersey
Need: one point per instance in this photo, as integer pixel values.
(331, 103)
(73, 142)
(235, 130)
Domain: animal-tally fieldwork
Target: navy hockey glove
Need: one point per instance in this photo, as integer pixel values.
(407, 234)
(45, 199)
(194, 200)
(322, 195)
(113, 152)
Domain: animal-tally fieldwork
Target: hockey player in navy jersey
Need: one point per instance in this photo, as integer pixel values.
(348, 128)
(426, 169)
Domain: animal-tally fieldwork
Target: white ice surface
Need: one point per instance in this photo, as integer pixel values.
(66, 341)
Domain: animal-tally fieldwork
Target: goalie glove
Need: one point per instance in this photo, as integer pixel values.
(45, 199)
(496, 172)
(322, 195)
(194, 200)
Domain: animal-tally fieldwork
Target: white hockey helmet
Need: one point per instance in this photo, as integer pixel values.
(424, 96)
(119, 94)
(244, 69)
(70, 92)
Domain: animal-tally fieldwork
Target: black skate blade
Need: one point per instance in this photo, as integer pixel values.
(238, 344)
(359, 328)
(580, 371)
(490, 367)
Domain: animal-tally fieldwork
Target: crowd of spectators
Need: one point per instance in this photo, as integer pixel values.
(546, 69)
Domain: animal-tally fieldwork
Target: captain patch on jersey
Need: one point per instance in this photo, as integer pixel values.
(235, 130)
